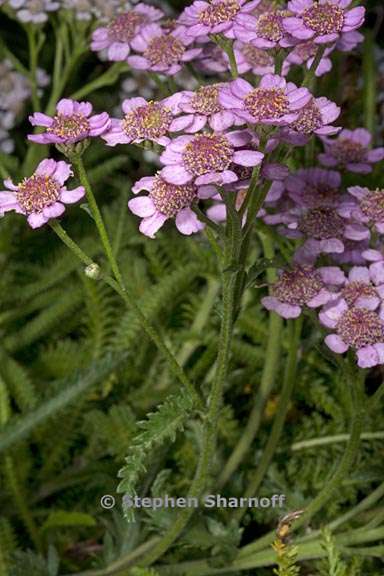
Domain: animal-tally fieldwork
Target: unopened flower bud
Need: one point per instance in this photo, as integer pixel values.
(92, 271)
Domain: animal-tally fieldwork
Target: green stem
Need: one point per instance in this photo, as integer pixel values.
(377, 520)
(67, 240)
(57, 67)
(130, 299)
(310, 74)
(279, 60)
(286, 393)
(213, 243)
(270, 369)
(370, 82)
(108, 78)
(326, 440)
(251, 190)
(256, 202)
(232, 60)
(79, 165)
(203, 218)
(227, 46)
(33, 56)
(118, 236)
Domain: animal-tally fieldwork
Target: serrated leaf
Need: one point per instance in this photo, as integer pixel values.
(160, 426)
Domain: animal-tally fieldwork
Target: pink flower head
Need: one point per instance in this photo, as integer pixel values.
(214, 17)
(273, 102)
(370, 209)
(315, 188)
(350, 150)
(356, 315)
(162, 51)
(207, 158)
(203, 107)
(263, 30)
(41, 196)
(324, 21)
(322, 227)
(117, 36)
(250, 58)
(144, 121)
(304, 53)
(302, 286)
(73, 122)
(315, 118)
(166, 201)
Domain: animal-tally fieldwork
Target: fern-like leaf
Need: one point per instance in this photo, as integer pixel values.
(160, 426)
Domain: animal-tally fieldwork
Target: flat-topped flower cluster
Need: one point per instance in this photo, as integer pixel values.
(237, 127)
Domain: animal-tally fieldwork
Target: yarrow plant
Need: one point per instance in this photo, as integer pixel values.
(219, 123)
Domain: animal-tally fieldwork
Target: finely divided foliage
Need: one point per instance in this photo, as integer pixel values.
(214, 269)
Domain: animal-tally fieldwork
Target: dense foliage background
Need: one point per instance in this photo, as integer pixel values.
(77, 374)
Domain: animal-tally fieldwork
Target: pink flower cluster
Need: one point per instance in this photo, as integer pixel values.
(215, 137)
(341, 226)
(148, 40)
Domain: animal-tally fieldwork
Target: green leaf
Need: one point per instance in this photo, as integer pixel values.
(160, 426)
(65, 519)
(260, 266)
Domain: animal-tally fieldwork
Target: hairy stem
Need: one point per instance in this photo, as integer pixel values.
(270, 369)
